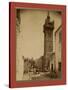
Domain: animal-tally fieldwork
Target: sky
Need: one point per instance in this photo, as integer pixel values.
(31, 38)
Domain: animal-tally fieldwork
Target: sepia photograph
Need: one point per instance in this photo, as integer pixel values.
(38, 44)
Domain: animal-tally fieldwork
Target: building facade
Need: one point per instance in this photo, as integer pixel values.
(19, 59)
(56, 56)
(58, 47)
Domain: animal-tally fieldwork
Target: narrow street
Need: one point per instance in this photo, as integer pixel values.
(40, 76)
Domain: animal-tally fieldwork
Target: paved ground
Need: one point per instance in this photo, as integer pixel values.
(40, 76)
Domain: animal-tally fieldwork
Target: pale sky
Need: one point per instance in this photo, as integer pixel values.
(31, 37)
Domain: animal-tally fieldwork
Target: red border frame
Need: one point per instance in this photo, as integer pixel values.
(12, 45)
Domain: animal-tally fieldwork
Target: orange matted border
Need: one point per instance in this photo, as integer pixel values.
(12, 45)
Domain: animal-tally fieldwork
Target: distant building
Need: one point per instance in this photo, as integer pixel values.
(26, 65)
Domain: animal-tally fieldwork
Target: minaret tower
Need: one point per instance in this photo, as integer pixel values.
(48, 41)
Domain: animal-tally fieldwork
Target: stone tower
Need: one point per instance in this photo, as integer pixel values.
(48, 42)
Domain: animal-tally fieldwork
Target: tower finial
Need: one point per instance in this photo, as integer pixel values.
(48, 16)
(48, 13)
